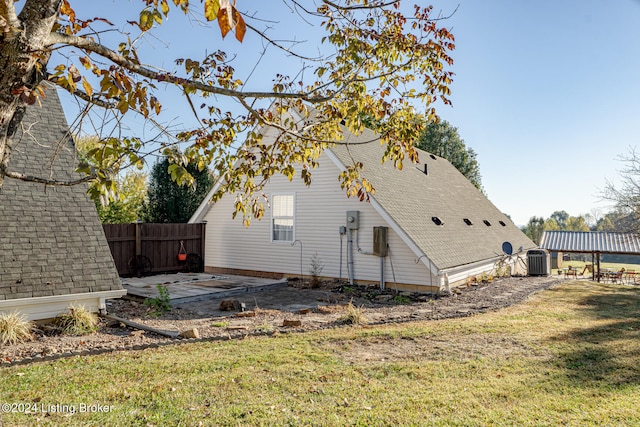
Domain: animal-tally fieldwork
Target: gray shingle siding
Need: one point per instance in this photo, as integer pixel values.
(51, 240)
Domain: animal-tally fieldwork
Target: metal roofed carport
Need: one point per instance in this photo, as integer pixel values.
(594, 242)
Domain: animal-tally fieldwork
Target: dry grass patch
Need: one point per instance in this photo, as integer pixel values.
(353, 316)
(15, 328)
(77, 321)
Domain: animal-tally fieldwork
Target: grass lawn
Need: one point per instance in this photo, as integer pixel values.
(568, 356)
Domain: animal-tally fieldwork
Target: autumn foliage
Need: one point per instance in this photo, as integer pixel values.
(386, 63)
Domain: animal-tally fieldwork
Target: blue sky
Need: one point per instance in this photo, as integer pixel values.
(547, 93)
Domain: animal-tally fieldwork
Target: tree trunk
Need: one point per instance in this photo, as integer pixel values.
(24, 53)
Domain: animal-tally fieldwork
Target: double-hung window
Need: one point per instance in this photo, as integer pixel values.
(282, 209)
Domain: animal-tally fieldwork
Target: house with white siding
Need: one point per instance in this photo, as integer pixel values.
(426, 228)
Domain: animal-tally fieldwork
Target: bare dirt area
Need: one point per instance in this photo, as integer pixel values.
(294, 308)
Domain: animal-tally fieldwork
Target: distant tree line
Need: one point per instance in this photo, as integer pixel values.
(616, 221)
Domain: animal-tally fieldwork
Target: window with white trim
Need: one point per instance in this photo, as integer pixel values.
(282, 208)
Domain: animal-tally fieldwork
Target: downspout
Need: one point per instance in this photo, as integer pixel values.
(350, 257)
(445, 280)
(382, 273)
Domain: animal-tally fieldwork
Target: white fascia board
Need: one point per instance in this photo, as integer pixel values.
(421, 256)
(48, 307)
(199, 214)
(460, 268)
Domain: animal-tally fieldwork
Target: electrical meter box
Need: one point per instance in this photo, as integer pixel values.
(353, 220)
(380, 241)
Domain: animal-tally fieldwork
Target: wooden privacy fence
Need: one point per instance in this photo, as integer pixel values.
(142, 249)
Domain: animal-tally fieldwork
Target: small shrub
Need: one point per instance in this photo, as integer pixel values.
(265, 327)
(348, 289)
(401, 299)
(77, 321)
(315, 270)
(223, 324)
(15, 328)
(354, 316)
(160, 304)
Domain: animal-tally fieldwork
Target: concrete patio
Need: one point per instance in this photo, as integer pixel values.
(190, 287)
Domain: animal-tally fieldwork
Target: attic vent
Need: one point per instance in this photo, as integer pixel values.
(467, 221)
(433, 157)
(436, 220)
(487, 223)
(502, 223)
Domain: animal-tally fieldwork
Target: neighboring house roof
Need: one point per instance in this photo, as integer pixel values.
(51, 239)
(409, 199)
(590, 241)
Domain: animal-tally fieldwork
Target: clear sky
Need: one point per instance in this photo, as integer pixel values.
(547, 93)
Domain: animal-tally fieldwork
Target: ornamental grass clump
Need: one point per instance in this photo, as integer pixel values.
(77, 321)
(15, 328)
(353, 316)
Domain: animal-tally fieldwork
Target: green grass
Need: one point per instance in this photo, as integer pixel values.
(568, 356)
(221, 324)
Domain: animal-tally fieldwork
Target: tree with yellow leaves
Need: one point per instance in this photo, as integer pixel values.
(382, 60)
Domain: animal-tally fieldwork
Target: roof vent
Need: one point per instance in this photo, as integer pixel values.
(433, 157)
(502, 223)
(426, 169)
(487, 223)
(467, 221)
(436, 220)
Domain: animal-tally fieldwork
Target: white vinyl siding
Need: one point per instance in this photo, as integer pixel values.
(319, 211)
(282, 220)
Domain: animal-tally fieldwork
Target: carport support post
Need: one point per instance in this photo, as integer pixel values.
(598, 263)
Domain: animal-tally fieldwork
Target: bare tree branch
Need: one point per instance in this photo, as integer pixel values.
(374, 5)
(88, 45)
(52, 182)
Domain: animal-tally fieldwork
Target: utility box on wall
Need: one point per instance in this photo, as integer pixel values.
(353, 220)
(380, 241)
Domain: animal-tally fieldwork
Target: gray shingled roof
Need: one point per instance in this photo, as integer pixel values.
(591, 241)
(51, 240)
(412, 198)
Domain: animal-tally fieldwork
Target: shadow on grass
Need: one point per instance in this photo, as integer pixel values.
(606, 354)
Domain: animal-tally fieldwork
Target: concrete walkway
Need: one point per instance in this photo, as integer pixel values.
(189, 287)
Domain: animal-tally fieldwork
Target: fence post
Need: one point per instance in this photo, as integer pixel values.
(203, 233)
(138, 245)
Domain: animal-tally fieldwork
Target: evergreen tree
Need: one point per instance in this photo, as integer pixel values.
(168, 202)
(443, 140)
